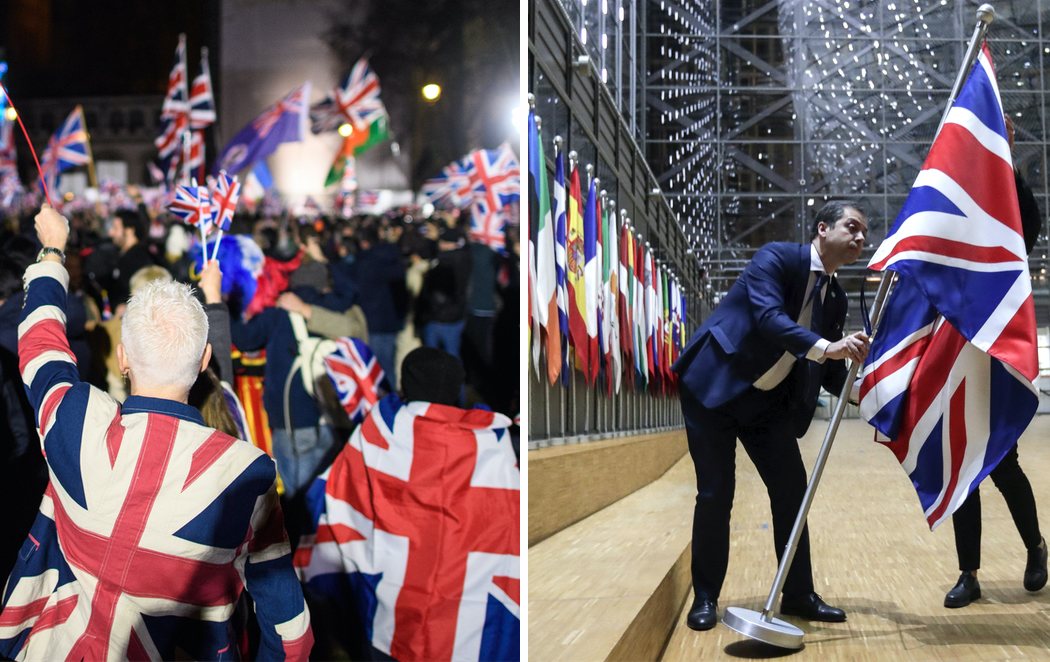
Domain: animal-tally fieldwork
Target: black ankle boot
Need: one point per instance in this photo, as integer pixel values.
(1035, 571)
(964, 592)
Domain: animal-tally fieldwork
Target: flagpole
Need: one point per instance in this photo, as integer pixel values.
(216, 132)
(764, 627)
(92, 178)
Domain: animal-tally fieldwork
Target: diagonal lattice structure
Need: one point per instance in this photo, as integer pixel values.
(759, 111)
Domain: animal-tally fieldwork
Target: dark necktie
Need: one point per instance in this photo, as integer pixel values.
(817, 314)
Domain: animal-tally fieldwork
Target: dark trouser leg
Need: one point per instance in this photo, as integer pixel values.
(712, 446)
(967, 524)
(1017, 492)
(774, 451)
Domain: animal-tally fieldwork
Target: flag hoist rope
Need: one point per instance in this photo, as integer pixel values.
(762, 626)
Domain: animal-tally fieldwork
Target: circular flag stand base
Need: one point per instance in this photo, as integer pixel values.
(773, 631)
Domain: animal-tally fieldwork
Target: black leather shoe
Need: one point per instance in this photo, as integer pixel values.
(703, 615)
(812, 608)
(1035, 571)
(964, 592)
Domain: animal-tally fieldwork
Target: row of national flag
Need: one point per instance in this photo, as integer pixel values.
(950, 381)
(596, 291)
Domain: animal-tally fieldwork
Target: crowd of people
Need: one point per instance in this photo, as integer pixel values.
(280, 286)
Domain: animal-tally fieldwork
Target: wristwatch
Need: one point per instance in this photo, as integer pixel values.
(50, 250)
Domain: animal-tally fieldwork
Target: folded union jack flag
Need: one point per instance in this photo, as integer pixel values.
(950, 376)
(415, 524)
(357, 376)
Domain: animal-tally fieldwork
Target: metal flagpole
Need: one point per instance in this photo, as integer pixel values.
(763, 626)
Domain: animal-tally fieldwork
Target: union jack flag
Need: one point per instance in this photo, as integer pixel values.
(224, 193)
(357, 376)
(950, 376)
(417, 523)
(176, 108)
(196, 159)
(355, 101)
(192, 204)
(152, 525)
(202, 102)
(66, 149)
(453, 185)
(487, 226)
(495, 176)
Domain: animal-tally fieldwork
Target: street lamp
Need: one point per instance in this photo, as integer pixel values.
(431, 92)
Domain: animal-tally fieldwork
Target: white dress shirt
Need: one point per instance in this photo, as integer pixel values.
(782, 368)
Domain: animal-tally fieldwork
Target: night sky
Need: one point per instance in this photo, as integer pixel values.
(70, 48)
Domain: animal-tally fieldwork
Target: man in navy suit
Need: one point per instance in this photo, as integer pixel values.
(753, 371)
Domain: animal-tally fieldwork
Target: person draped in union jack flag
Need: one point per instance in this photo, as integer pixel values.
(414, 543)
(153, 524)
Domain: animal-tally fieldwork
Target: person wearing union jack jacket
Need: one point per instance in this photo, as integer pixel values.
(753, 371)
(153, 524)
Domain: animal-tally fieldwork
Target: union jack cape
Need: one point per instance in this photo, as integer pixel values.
(950, 376)
(152, 524)
(416, 526)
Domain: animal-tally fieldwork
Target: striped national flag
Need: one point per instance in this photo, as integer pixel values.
(950, 376)
(542, 223)
(560, 238)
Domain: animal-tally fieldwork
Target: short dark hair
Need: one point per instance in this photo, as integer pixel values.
(831, 212)
(131, 218)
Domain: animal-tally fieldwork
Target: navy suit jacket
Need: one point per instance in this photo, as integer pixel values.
(752, 328)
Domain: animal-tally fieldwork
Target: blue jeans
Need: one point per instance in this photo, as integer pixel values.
(384, 346)
(299, 461)
(444, 335)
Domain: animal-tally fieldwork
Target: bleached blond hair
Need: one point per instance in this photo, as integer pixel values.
(164, 332)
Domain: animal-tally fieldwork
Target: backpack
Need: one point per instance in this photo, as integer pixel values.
(310, 364)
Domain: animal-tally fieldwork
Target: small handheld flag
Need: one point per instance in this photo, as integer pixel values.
(224, 193)
(193, 205)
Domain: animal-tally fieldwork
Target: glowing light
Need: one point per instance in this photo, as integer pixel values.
(10, 114)
(345, 130)
(431, 91)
